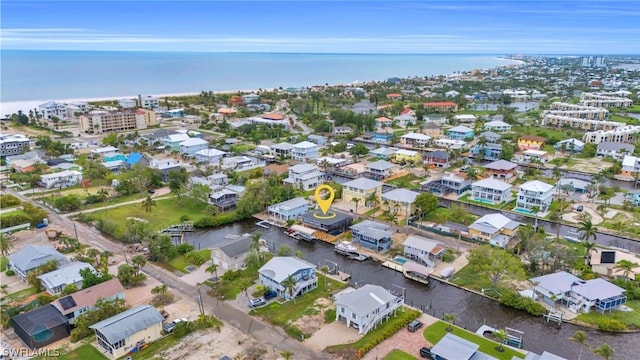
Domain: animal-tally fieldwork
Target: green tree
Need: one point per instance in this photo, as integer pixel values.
(69, 289)
(148, 204)
(356, 201)
(161, 248)
(605, 351)
(449, 318)
(32, 276)
(626, 267)
(104, 309)
(289, 285)
(91, 278)
(358, 150)
(495, 264)
(129, 276)
(286, 354)
(138, 261)
(581, 338)
(425, 203)
(5, 244)
(212, 269)
(285, 250)
(502, 335)
(588, 230)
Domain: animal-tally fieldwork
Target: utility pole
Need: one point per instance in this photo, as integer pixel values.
(75, 230)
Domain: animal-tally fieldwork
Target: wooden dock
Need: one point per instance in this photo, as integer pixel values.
(400, 268)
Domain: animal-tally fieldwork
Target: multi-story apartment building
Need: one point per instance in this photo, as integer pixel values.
(578, 111)
(96, 122)
(625, 134)
(52, 108)
(492, 191)
(585, 124)
(13, 144)
(534, 194)
(604, 101)
(149, 102)
(304, 151)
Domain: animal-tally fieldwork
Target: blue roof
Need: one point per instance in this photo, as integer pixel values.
(134, 158)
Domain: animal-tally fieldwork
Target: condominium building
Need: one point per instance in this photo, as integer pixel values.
(550, 119)
(149, 102)
(96, 122)
(13, 144)
(625, 134)
(605, 101)
(578, 111)
(534, 194)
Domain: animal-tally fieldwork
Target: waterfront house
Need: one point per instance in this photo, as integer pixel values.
(288, 210)
(373, 235)
(450, 144)
(530, 142)
(41, 326)
(490, 136)
(304, 151)
(367, 307)
(572, 185)
(614, 150)
(534, 194)
(491, 191)
(441, 106)
(380, 170)
(304, 176)
(423, 250)
(604, 262)
(437, 158)
(565, 289)
(630, 166)
(282, 150)
(334, 225)
(497, 126)
(455, 347)
(448, 183)
(407, 156)
(486, 151)
(460, 133)
(464, 119)
(361, 189)
(384, 153)
(61, 179)
(226, 198)
(67, 274)
(495, 229)
(501, 169)
(191, 146)
(73, 305)
(274, 274)
(569, 145)
(405, 120)
(31, 257)
(379, 137)
(415, 140)
(210, 156)
(400, 201)
(129, 331)
(232, 254)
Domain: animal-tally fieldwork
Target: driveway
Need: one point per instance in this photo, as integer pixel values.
(409, 342)
(332, 334)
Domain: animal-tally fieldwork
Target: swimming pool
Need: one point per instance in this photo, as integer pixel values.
(400, 260)
(524, 211)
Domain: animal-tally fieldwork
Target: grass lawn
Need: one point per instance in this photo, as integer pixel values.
(180, 262)
(442, 215)
(404, 181)
(14, 213)
(285, 314)
(151, 351)
(469, 278)
(84, 351)
(20, 295)
(398, 355)
(630, 319)
(437, 331)
(242, 148)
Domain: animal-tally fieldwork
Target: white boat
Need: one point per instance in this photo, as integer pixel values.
(346, 248)
(572, 239)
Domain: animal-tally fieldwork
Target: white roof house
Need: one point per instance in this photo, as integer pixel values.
(280, 267)
(366, 307)
(401, 195)
(67, 274)
(362, 184)
(536, 186)
(497, 125)
(496, 228)
(465, 118)
(495, 184)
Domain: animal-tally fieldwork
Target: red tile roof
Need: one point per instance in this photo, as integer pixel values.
(532, 138)
(273, 116)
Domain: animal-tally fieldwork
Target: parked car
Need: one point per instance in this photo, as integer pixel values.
(151, 191)
(425, 353)
(257, 302)
(270, 294)
(168, 327)
(414, 325)
(580, 208)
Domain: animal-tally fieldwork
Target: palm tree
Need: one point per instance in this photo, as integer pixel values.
(626, 267)
(449, 318)
(160, 289)
(581, 338)
(605, 351)
(105, 256)
(356, 201)
(5, 244)
(588, 248)
(372, 200)
(588, 230)
(94, 255)
(289, 285)
(139, 261)
(287, 354)
(212, 269)
(502, 335)
(103, 194)
(148, 204)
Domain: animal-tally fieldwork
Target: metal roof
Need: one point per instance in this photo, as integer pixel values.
(237, 247)
(421, 243)
(280, 267)
(366, 299)
(32, 256)
(65, 275)
(491, 183)
(454, 347)
(401, 195)
(127, 323)
(363, 184)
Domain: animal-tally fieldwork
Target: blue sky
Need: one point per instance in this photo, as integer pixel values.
(438, 27)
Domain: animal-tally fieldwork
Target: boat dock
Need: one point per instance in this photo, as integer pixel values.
(411, 270)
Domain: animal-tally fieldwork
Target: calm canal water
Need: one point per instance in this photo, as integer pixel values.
(438, 298)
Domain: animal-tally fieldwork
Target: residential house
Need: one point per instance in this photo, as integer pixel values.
(251, 99)
(491, 191)
(450, 144)
(530, 142)
(289, 209)
(304, 151)
(41, 326)
(534, 194)
(437, 158)
(415, 140)
(448, 183)
(76, 304)
(172, 142)
(358, 191)
(423, 250)
(379, 137)
(13, 144)
(380, 170)
(304, 176)
(432, 129)
(149, 102)
(455, 347)
(165, 166)
(383, 153)
(115, 166)
(232, 254)
(405, 120)
(332, 225)
(226, 198)
(604, 262)
(61, 179)
(53, 108)
(373, 235)
(342, 131)
(67, 274)
(630, 166)
(634, 197)
(565, 289)
(275, 274)
(240, 163)
(490, 136)
(191, 146)
(452, 93)
(33, 157)
(501, 169)
(496, 229)
(367, 307)
(486, 151)
(136, 158)
(104, 152)
(464, 119)
(614, 150)
(436, 119)
(317, 139)
(210, 156)
(383, 122)
(569, 145)
(497, 126)
(400, 201)
(441, 106)
(460, 133)
(572, 185)
(407, 156)
(31, 257)
(282, 150)
(394, 97)
(533, 156)
(129, 331)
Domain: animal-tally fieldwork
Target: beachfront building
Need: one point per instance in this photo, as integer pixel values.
(304, 176)
(626, 134)
(530, 142)
(497, 126)
(495, 229)
(13, 144)
(61, 179)
(491, 191)
(149, 102)
(415, 140)
(372, 235)
(534, 195)
(366, 307)
(99, 121)
(275, 273)
(288, 210)
(359, 191)
(304, 151)
(127, 103)
(460, 133)
(53, 108)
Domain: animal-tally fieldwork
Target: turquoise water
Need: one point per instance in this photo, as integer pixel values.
(484, 201)
(400, 260)
(524, 211)
(48, 75)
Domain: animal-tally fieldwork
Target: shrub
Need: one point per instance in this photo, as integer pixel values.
(448, 256)
(68, 203)
(184, 248)
(194, 258)
(329, 316)
(8, 201)
(611, 324)
(10, 220)
(185, 217)
(10, 272)
(516, 301)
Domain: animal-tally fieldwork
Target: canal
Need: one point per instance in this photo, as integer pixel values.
(437, 298)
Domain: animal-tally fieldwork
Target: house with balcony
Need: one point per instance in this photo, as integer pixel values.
(210, 156)
(534, 194)
(400, 201)
(447, 184)
(432, 129)
(405, 120)
(497, 126)
(342, 131)
(366, 307)
(450, 144)
(530, 142)
(30, 257)
(53, 108)
(288, 210)
(383, 153)
(275, 273)
(76, 304)
(383, 122)
(233, 252)
(569, 145)
(67, 274)
(304, 176)
(460, 133)
(532, 156)
(361, 189)
(630, 166)
(226, 198)
(304, 151)
(379, 137)
(172, 142)
(423, 250)
(380, 170)
(191, 146)
(437, 158)
(415, 140)
(501, 169)
(407, 156)
(491, 191)
(372, 235)
(486, 151)
(61, 179)
(464, 119)
(282, 150)
(577, 295)
(490, 136)
(165, 166)
(13, 144)
(614, 150)
(495, 229)
(318, 139)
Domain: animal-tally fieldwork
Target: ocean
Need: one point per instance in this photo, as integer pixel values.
(31, 76)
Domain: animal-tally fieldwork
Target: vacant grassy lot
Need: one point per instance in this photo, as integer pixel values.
(437, 331)
(180, 262)
(468, 278)
(405, 182)
(398, 355)
(442, 215)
